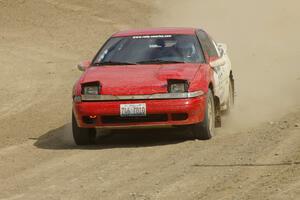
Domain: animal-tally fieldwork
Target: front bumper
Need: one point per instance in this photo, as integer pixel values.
(160, 113)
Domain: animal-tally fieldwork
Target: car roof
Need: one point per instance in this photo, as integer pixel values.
(156, 31)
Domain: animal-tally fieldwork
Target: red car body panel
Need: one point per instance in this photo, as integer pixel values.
(150, 79)
(141, 80)
(194, 108)
(138, 79)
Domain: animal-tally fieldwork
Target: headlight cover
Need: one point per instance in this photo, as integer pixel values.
(90, 89)
(177, 86)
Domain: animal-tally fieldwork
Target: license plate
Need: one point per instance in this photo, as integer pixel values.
(133, 110)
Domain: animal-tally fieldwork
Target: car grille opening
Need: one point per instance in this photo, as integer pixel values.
(179, 116)
(115, 119)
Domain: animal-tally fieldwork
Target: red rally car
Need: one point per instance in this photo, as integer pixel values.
(164, 77)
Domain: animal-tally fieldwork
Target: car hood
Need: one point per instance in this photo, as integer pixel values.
(138, 79)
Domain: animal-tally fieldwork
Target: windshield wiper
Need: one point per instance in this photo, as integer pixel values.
(113, 63)
(158, 61)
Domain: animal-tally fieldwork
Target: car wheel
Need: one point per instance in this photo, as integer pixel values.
(230, 101)
(205, 130)
(83, 136)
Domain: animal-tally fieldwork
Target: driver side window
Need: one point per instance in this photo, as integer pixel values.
(208, 44)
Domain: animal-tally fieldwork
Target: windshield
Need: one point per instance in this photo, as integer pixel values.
(150, 49)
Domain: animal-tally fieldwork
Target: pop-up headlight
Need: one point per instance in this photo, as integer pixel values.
(177, 86)
(91, 88)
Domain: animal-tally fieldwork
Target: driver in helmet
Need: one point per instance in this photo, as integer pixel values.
(186, 49)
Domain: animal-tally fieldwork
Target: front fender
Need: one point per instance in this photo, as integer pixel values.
(202, 79)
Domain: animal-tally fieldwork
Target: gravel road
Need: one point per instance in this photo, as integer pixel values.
(255, 155)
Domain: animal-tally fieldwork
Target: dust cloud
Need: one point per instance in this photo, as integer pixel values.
(264, 47)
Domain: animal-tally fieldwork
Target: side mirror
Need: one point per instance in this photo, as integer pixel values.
(222, 48)
(84, 65)
(217, 63)
(221, 52)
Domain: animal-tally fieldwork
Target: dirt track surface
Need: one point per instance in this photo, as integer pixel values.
(256, 155)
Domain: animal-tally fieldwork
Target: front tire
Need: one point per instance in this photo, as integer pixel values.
(83, 136)
(206, 129)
